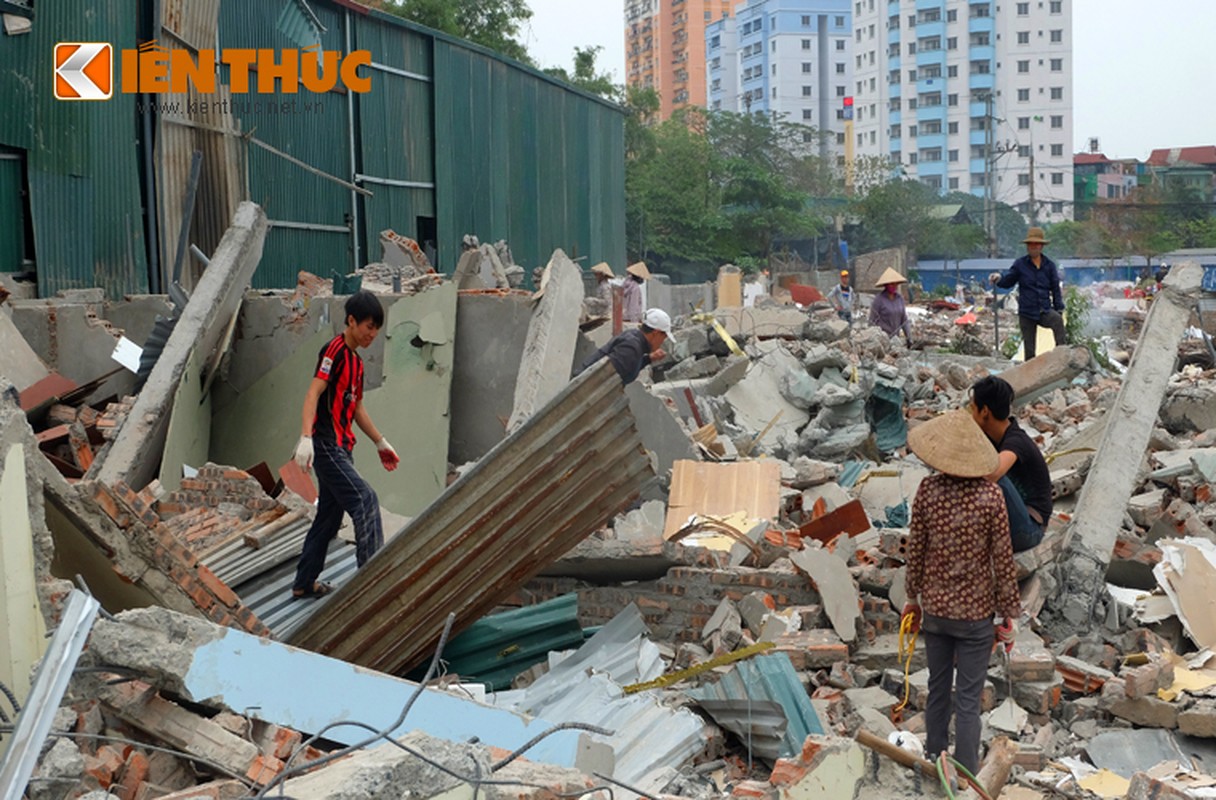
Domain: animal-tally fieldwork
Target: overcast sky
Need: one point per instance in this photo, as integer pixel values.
(1144, 71)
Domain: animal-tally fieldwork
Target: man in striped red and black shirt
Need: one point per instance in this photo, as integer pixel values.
(334, 400)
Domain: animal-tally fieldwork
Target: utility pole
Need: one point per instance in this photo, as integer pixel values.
(1034, 210)
(989, 174)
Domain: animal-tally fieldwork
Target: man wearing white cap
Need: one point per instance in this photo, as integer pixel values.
(636, 347)
(631, 301)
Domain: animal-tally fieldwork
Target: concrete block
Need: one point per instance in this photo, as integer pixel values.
(874, 697)
(754, 607)
(757, 399)
(1037, 697)
(1146, 679)
(1046, 372)
(1150, 712)
(660, 428)
(835, 585)
(548, 356)
(1199, 719)
(1145, 787)
(1030, 660)
(827, 767)
(812, 649)
(18, 361)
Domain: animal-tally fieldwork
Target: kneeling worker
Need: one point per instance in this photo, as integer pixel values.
(1022, 473)
(636, 347)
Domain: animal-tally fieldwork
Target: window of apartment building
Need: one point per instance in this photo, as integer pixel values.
(934, 182)
(982, 67)
(839, 22)
(717, 104)
(840, 91)
(931, 126)
(911, 103)
(911, 20)
(931, 154)
(953, 184)
(952, 71)
(774, 92)
(858, 62)
(893, 104)
(929, 44)
(861, 139)
(893, 50)
(952, 100)
(806, 44)
(1023, 123)
(1057, 207)
(715, 63)
(1057, 93)
(840, 43)
(1024, 66)
(931, 71)
(774, 72)
(951, 42)
(715, 42)
(1057, 65)
(893, 76)
(1057, 121)
(860, 86)
(912, 158)
(1023, 95)
(895, 157)
(978, 179)
(840, 113)
(857, 33)
(807, 137)
(912, 131)
(872, 57)
(806, 67)
(1023, 37)
(980, 39)
(871, 31)
(977, 151)
(951, 15)
(1057, 36)
(774, 46)
(952, 127)
(806, 113)
(873, 84)
(952, 155)
(1057, 150)
(894, 131)
(979, 123)
(806, 91)
(930, 100)
(806, 20)
(840, 140)
(1057, 178)
(981, 10)
(839, 68)
(1023, 179)
(1023, 9)
(911, 76)
(1023, 208)
(716, 85)
(1023, 151)
(1056, 7)
(893, 22)
(929, 15)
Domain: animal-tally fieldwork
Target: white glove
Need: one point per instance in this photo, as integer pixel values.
(303, 453)
(388, 456)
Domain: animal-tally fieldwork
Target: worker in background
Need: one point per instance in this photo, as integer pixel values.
(1040, 301)
(603, 281)
(960, 573)
(843, 297)
(631, 305)
(333, 401)
(888, 310)
(636, 348)
(1022, 471)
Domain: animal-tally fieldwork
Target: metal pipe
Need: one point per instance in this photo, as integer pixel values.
(183, 235)
(354, 167)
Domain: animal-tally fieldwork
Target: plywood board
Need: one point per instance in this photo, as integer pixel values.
(698, 487)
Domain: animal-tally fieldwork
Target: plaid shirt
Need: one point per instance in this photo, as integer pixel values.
(960, 558)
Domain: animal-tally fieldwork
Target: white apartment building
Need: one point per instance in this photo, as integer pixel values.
(960, 93)
(788, 58)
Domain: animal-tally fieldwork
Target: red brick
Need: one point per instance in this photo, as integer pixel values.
(134, 773)
(109, 504)
(263, 769)
(219, 588)
(1143, 787)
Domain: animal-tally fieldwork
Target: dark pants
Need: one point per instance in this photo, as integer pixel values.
(1030, 328)
(341, 491)
(1023, 530)
(962, 647)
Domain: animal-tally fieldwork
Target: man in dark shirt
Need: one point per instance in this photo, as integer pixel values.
(636, 347)
(1022, 471)
(1039, 298)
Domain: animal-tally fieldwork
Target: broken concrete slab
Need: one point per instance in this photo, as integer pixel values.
(1044, 373)
(835, 585)
(660, 429)
(22, 629)
(757, 401)
(1102, 502)
(548, 356)
(18, 361)
(134, 454)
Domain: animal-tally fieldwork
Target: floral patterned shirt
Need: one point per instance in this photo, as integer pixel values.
(960, 557)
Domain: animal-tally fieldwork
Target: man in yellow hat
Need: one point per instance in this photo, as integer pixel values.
(631, 304)
(1040, 300)
(843, 297)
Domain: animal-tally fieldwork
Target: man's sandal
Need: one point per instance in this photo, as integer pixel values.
(319, 589)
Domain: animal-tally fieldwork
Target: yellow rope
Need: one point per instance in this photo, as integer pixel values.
(907, 646)
(704, 666)
(1054, 456)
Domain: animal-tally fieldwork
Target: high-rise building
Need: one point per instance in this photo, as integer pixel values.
(665, 48)
(787, 58)
(970, 95)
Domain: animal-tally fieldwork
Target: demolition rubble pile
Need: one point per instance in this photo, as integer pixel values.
(747, 602)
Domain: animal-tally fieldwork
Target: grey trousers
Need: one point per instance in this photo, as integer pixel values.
(958, 652)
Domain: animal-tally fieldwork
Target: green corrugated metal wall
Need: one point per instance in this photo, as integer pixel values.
(82, 158)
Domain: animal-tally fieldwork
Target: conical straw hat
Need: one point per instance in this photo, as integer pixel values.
(952, 443)
(639, 269)
(890, 276)
(602, 268)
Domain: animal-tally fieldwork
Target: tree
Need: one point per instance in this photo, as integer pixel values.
(490, 23)
(894, 214)
(1139, 223)
(585, 75)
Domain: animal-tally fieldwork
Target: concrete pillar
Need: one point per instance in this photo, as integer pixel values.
(552, 335)
(1047, 372)
(135, 455)
(1103, 500)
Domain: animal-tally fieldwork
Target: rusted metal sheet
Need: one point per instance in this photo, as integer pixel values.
(540, 491)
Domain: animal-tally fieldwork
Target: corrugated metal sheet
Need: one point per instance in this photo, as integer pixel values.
(769, 678)
(568, 469)
(12, 211)
(760, 724)
(82, 158)
(495, 649)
